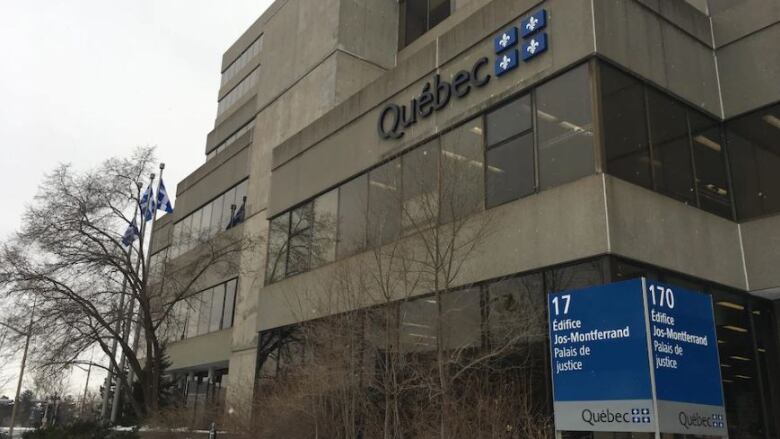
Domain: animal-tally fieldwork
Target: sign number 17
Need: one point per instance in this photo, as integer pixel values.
(566, 299)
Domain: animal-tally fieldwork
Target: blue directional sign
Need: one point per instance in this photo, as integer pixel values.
(506, 62)
(505, 39)
(637, 356)
(534, 23)
(685, 360)
(534, 46)
(599, 359)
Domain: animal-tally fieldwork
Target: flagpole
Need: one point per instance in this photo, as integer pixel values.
(118, 326)
(131, 304)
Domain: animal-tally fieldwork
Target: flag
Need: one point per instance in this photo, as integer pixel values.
(238, 216)
(131, 234)
(163, 202)
(147, 203)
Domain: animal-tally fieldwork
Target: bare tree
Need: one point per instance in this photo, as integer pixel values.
(69, 260)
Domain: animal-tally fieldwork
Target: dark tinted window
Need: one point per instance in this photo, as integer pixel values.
(671, 147)
(564, 124)
(353, 197)
(415, 19)
(754, 154)
(421, 15)
(709, 155)
(510, 171)
(384, 203)
(625, 127)
(509, 120)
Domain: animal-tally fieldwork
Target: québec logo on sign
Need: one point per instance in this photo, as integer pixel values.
(534, 43)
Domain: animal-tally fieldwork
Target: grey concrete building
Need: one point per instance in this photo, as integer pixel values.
(619, 138)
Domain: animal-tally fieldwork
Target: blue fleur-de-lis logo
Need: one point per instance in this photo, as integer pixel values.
(505, 62)
(504, 40)
(531, 25)
(532, 46)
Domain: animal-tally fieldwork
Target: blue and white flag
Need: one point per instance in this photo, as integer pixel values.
(146, 204)
(163, 202)
(131, 234)
(534, 46)
(238, 216)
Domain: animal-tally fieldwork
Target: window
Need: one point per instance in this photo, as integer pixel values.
(204, 223)
(516, 310)
(246, 86)
(384, 203)
(228, 311)
(247, 55)
(249, 126)
(754, 154)
(462, 168)
(204, 316)
(324, 228)
(510, 153)
(510, 171)
(709, 155)
(217, 304)
(276, 265)
(625, 127)
(353, 203)
(298, 258)
(671, 153)
(420, 205)
(461, 316)
(508, 121)
(418, 325)
(564, 123)
(419, 16)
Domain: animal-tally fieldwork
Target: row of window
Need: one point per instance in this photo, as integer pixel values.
(485, 162)
(249, 126)
(246, 86)
(659, 143)
(246, 56)
(208, 311)
(512, 311)
(156, 265)
(419, 16)
(202, 224)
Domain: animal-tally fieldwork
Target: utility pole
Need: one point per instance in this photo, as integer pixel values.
(27, 335)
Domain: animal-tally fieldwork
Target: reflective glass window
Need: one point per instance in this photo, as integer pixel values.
(299, 240)
(462, 168)
(324, 228)
(439, 10)
(204, 316)
(217, 210)
(353, 205)
(510, 171)
(625, 127)
(461, 319)
(193, 316)
(420, 187)
(418, 325)
(415, 19)
(217, 301)
(508, 120)
(516, 310)
(228, 207)
(384, 203)
(564, 122)
(276, 266)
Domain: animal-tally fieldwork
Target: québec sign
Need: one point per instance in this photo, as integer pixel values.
(394, 119)
(635, 356)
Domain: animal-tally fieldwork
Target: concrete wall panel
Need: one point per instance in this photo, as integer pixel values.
(658, 230)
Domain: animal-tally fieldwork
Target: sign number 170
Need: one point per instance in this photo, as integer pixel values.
(566, 299)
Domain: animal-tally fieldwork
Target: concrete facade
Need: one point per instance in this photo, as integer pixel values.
(328, 67)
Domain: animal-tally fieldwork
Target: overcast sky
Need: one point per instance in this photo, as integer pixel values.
(84, 80)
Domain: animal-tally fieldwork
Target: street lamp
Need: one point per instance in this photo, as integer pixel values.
(27, 335)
